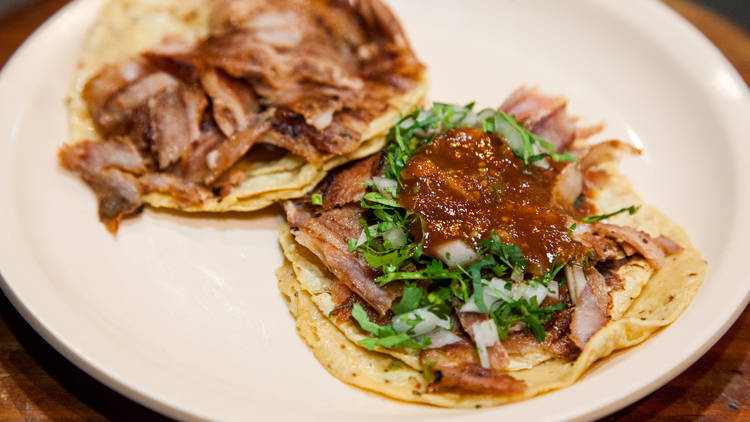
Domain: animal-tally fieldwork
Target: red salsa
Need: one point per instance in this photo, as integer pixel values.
(467, 183)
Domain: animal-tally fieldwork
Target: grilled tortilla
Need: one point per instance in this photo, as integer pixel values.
(643, 291)
(231, 105)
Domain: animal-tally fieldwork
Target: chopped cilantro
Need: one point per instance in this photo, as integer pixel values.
(410, 300)
(446, 287)
(317, 199)
(595, 218)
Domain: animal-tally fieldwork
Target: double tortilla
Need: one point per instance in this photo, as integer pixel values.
(306, 283)
(126, 28)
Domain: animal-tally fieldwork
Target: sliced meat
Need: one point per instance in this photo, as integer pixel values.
(292, 133)
(604, 248)
(559, 129)
(232, 100)
(113, 118)
(496, 353)
(184, 192)
(547, 117)
(456, 369)
(92, 157)
(348, 185)
(379, 17)
(107, 168)
(195, 168)
(111, 79)
(222, 158)
(568, 185)
(327, 237)
(670, 246)
(555, 342)
(242, 55)
(119, 195)
(473, 378)
(175, 117)
(296, 212)
(590, 312)
(177, 57)
(531, 107)
(607, 151)
(640, 241)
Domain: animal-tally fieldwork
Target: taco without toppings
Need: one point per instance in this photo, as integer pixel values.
(481, 257)
(226, 105)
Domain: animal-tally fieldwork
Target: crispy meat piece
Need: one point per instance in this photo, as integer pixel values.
(604, 248)
(670, 246)
(195, 167)
(222, 158)
(640, 241)
(92, 157)
(297, 212)
(177, 57)
(186, 193)
(347, 185)
(175, 117)
(107, 168)
(605, 152)
(111, 79)
(456, 369)
(233, 101)
(590, 312)
(555, 342)
(327, 237)
(115, 116)
(546, 116)
(119, 194)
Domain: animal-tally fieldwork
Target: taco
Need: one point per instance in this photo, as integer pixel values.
(482, 257)
(228, 105)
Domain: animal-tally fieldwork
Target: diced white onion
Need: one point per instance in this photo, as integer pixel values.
(384, 185)
(576, 281)
(470, 120)
(456, 252)
(428, 323)
(363, 236)
(407, 123)
(485, 335)
(471, 306)
(511, 135)
(553, 290)
(490, 295)
(518, 291)
(440, 337)
(396, 236)
(499, 284)
(538, 290)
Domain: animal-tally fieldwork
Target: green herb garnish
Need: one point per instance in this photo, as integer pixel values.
(448, 287)
(595, 218)
(316, 199)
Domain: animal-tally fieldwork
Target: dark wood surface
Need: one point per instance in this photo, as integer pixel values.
(37, 383)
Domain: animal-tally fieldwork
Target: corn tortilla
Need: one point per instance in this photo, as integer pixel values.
(658, 298)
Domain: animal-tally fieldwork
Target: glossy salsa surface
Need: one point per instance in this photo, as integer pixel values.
(467, 183)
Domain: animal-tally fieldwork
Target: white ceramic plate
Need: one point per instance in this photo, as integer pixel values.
(183, 314)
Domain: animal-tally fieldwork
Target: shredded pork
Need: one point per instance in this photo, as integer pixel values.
(307, 77)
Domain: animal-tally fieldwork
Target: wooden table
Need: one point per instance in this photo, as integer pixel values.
(37, 383)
